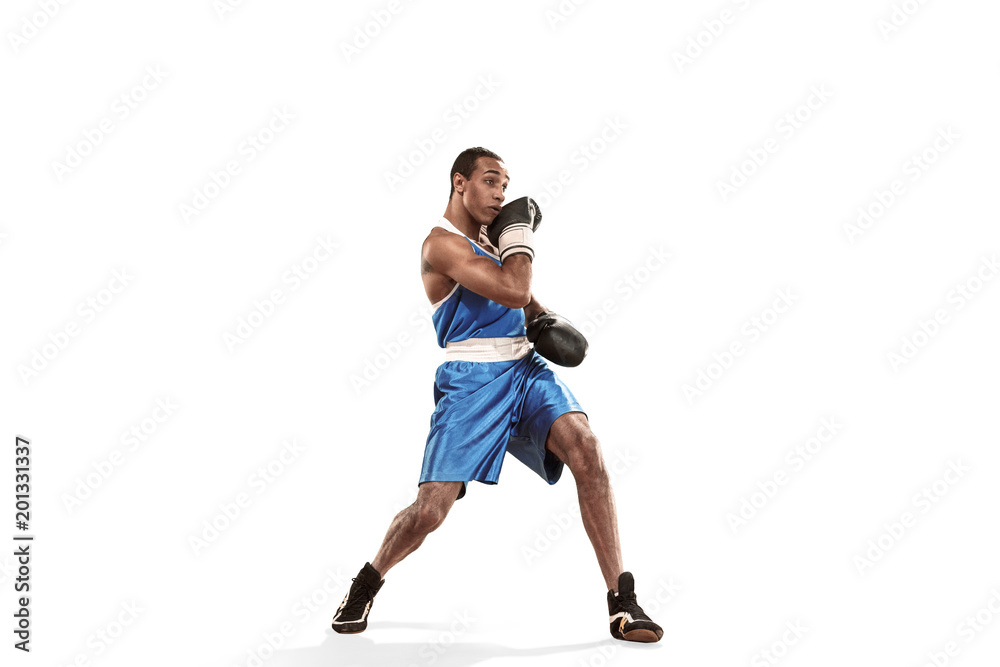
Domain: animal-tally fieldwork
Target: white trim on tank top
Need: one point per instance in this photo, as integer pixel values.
(480, 245)
(435, 306)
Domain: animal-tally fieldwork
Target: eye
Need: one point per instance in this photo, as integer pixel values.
(490, 181)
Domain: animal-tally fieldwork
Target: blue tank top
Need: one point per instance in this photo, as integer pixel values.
(463, 314)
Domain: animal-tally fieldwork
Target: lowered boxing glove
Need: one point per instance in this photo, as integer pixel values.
(512, 231)
(557, 340)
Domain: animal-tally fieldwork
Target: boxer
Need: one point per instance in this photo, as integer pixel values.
(494, 393)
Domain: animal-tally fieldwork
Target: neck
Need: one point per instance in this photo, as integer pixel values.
(458, 216)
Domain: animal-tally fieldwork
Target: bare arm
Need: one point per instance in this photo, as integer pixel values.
(452, 256)
(533, 309)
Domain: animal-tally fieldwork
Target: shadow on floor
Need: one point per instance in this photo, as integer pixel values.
(364, 651)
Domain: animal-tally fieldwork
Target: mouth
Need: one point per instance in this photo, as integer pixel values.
(495, 209)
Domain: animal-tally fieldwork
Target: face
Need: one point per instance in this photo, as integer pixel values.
(483, 192)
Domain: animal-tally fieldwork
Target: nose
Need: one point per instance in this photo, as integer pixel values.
(499, 197)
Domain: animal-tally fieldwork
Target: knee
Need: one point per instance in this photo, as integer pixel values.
(428, 516)
(586, 461)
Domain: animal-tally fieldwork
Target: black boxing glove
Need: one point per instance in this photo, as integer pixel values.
(557, 340)
(512, 231)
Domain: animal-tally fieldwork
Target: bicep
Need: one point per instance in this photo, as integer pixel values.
(478, 273)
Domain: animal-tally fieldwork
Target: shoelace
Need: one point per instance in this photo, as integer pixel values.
(631, 606)
(365, 594)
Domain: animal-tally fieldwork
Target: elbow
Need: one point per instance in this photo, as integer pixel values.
(521, 299)
(516, 298)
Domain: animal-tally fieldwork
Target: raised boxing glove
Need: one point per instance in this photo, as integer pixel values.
(512, 231)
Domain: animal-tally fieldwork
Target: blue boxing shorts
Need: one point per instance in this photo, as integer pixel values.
(485, 408)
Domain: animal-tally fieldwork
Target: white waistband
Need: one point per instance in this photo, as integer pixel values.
(487, 349)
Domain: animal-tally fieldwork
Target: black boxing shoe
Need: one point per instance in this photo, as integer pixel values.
(628, 621)
(352, 614)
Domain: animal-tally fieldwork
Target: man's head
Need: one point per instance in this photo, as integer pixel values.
(479, 177)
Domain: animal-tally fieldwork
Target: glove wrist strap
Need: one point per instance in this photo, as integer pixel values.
(516, 239)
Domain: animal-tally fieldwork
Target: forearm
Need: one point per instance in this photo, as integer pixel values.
(515, 280)
(533, 309)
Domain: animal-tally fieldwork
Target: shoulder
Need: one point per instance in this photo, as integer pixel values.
(440, 240)
(439, 232)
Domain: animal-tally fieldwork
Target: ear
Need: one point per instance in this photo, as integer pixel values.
(459, 182)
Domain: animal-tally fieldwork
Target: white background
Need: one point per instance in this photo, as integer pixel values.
(662, 134)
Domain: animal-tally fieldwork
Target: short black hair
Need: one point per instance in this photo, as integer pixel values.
(466, 162)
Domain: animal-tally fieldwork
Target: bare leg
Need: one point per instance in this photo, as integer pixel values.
(571, 439)
(408, 530)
